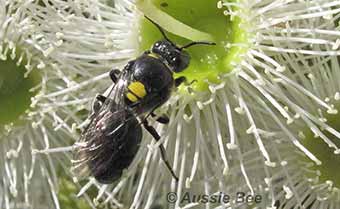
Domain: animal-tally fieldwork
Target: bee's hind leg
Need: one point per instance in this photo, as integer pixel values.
(156, 136)
(164, 119)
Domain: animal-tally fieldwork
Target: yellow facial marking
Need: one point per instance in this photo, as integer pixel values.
(131, 97)
(138, 89)
(152, 55)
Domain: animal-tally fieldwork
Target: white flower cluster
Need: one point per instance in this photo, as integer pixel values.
(67, 46)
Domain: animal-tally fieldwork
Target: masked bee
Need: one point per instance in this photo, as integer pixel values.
(109, 143)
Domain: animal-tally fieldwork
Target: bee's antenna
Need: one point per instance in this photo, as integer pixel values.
(159, 28)
(197, 43)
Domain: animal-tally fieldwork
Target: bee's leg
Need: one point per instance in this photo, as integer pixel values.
(180, 80)
(98, 102)
(147, 52)
(114, 74)
(161, 119)
(156, 136)
(101, 98)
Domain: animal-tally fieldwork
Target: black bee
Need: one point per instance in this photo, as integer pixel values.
(109, 143)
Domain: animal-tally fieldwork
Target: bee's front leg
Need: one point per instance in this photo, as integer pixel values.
(114, 74)
(147, 52)
(182, 79)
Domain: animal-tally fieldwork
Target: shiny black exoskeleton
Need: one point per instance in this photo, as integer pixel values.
(111, 140)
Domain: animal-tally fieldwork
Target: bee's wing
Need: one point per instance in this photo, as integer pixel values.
(106, 125)
(100, 143)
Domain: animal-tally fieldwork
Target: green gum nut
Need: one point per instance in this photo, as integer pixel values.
(15, 94)
(200, 20)
(329, 169)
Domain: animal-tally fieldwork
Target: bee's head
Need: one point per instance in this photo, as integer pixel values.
(177, 59)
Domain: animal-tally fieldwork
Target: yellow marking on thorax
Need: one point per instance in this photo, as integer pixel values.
(137, 90)
(131, 97)
(159, 58)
